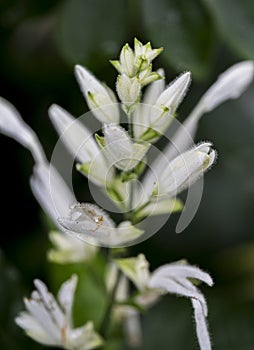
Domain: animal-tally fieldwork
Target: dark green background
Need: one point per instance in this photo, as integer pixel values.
(40, 41)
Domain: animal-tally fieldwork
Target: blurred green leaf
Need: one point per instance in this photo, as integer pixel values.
(92, 29)
(235, 21)
(184, 29)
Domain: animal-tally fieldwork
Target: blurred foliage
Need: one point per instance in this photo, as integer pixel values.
(40, 41)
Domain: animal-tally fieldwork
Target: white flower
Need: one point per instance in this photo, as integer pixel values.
(81, 144)
(128, 90)
(90, 223)
(12, 125)
(175, 278)
(165, 179)
(68, 249)
(119, 148)
(158, 108)
(49, 322)
(229, 85)
(100, 98)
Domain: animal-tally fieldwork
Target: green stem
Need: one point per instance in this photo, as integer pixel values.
(104, 328)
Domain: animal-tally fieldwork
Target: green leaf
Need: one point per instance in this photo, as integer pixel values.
(235, 21)
(185, 31)
(92, 29)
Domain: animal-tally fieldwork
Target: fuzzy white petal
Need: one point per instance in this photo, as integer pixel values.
(184, 271)
(230, 85)
(201, 326)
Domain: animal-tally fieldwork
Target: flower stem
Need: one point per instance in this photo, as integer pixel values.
(104, 328)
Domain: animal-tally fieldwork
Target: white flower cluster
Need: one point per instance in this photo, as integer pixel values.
(111, 160)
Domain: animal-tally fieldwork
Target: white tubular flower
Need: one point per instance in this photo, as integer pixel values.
(49, 322)
(128, 90)
(80, 143)
(170, 178)
(51, 191)
(68, 249)
(175, 278)
(100, 98)
(119, 148)
(12, 125)
(230, 85)
(159, 114)
(91, 224)
(142, 110)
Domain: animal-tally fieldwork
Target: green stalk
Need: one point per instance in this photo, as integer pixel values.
(104, 328)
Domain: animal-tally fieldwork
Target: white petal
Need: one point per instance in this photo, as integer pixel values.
(141, 113)
(77, 138)
(50, 303)
(231, 84)
(12, 125)
(102, 102)
(201, 326)
(173, 177)
(51, 191)
(155, 89)
(174, 94)
(174, 287)
(118, 144)
(120, 150)
(184, 271)
(87, 221)
(66, 296)
(34, 329)
(43, 317)
(128, 89)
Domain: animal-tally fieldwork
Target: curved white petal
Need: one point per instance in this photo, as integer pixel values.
(100, 99)
(141, 112)
(77, 138)
(51, 191)
(171, 177)
(12, 125)
(34, 329)
(229, 85)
